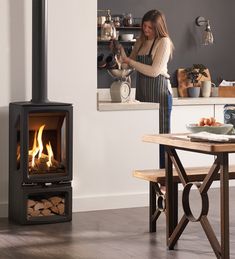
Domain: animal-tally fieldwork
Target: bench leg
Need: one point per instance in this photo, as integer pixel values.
(152, 207)
(175, 203)
(154, 211)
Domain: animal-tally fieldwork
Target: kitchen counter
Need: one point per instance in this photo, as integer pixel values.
(104, 102)
(134, 105)
(180, 101)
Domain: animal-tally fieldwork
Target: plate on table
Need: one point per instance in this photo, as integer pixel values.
(221, 129)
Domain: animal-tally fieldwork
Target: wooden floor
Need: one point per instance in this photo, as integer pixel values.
(111, 234)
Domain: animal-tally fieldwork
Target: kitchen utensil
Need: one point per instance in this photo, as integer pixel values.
(128, 20)
(120, 73)
(120, 89)
(108, 30)
(101, 20)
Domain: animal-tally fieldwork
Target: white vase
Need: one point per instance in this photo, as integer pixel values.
(206, 88)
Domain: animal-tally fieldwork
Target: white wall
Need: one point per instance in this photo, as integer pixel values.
(101, 143)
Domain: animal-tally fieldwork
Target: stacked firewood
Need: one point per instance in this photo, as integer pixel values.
(46, 207)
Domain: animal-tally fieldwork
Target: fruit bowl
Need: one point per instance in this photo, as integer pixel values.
(221, 129)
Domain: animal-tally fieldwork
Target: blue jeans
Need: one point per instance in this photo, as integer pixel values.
(162, 147)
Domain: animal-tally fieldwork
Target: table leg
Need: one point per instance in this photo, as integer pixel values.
(224, 205)
(174, 233)
(170, 224)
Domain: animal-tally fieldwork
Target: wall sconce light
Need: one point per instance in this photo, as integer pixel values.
(207, 36)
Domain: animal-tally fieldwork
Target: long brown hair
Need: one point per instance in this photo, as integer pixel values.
(158, 20)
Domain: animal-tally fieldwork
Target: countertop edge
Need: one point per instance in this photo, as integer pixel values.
(184, 101)
(131, 106)
(107, 105)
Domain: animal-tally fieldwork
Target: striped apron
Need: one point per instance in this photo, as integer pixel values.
(155, 90)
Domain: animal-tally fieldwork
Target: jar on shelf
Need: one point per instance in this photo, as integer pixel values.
(101, 20)
(116, 21)
(108, 30)
(128, 20)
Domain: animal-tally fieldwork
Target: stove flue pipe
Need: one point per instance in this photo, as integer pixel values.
(39, 51)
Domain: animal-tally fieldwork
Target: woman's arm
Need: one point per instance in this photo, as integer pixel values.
(134, 51)
(160, 59)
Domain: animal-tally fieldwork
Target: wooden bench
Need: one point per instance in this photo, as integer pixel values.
(156, 178)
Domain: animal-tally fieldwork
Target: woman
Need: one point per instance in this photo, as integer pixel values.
(150, 57)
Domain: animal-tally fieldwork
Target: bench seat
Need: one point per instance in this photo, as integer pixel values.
(195, 174)
(156, 177)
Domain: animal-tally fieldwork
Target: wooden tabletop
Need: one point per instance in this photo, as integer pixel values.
(183, 142)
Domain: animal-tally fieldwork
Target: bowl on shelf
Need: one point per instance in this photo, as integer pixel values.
(127, 36)
(222, 129)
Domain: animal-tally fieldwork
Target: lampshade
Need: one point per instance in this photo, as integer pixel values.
(207, 36)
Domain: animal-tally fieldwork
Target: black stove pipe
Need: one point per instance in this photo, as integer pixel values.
(39, 51)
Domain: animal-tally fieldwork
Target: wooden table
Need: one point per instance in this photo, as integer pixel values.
(221, 151)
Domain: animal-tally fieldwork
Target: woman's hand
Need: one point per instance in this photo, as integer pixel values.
(126, 60)
(115, 46)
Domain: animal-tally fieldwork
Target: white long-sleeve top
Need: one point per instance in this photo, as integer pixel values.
(161, 53)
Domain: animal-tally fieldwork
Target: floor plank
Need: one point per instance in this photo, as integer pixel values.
(111, 234)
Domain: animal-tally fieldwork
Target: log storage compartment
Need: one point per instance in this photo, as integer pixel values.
(40, 143)
(43, 204)
(47, 205)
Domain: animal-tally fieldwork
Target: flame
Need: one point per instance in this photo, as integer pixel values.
(39, 138)
(38, 147)
(50, 154)
(35, 149)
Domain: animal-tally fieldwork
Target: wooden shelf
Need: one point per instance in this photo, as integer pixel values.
(125, 28)
(107, 42)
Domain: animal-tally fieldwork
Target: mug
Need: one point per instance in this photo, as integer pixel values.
(214, 91)
(206, 88)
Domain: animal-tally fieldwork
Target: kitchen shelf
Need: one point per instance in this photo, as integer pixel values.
(107, 42)
(125, 28)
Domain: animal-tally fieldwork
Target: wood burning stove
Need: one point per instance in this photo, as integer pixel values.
(40, 166)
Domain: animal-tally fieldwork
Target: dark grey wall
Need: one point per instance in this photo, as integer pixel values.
(186, 36)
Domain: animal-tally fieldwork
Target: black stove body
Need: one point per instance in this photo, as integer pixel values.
(40, 144)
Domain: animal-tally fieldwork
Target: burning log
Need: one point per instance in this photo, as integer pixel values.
(38, 161)
(40, 165)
